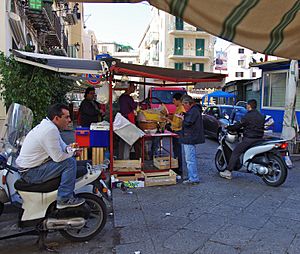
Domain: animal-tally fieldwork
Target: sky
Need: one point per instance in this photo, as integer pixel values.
(122, 23)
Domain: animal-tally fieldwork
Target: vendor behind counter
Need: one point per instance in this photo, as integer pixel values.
(127, 104)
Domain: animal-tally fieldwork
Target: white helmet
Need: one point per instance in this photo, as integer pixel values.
(231, 138)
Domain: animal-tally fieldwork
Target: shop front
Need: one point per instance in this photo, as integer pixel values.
(275, 77)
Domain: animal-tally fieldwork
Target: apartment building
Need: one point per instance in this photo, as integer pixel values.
(170, 42)
(239, 60)
(124, 52)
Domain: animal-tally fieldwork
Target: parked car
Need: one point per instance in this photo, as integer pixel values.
(159, 95)
(215, 117)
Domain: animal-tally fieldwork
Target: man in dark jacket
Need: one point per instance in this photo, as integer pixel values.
(253, 124)
(192, 135)
(89, 110)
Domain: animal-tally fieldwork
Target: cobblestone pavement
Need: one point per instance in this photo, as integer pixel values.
(242, 215)
(217, 216)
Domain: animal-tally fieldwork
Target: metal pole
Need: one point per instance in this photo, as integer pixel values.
(111, 125)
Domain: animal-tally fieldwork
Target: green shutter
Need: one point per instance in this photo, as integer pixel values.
(179, 66)
(179, 24)
(199, 47)
(35, 4)
(178, 46)
(198, 67)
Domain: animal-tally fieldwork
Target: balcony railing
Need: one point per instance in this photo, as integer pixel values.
(189, 53)
(53, 37)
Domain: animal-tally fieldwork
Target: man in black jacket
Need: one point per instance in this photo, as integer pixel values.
(192, 134)
(89, 110)
(253, 124)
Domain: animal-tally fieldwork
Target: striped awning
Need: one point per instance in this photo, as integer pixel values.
(267, 26)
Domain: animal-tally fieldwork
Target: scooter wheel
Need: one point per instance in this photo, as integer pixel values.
(95, 222)
(1, 208)
(220, 161)
(278, 172)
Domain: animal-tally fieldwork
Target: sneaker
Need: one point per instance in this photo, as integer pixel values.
(72, 202)
(226, 174)
(190, 182)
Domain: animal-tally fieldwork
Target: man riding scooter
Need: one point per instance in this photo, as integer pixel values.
(253, 131)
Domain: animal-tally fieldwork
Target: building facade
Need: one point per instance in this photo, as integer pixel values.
(123, 52)
(239, 60)
(170, 42)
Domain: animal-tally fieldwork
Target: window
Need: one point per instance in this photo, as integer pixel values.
(178, 48)
(104, 49)
(166, 96)
(178, 66)
(199, 47)
(274, 86)
(198, 67)
(253, 74)
(239, 74)
(241, 62)
(179, 23)
(241, 51)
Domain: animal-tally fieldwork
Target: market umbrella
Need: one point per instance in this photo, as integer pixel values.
(290, 125)
(269, 27)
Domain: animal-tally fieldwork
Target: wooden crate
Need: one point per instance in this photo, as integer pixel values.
(129, 177)
(164, 162)
(127, 165)
(160, 178)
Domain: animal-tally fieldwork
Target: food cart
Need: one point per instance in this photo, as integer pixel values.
(153, 76)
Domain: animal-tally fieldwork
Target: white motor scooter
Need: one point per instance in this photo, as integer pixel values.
(268, 158)
(37, 201)
(39, 214)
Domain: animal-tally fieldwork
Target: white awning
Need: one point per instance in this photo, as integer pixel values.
(61, 64)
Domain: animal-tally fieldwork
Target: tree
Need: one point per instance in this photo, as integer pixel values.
(33, 87)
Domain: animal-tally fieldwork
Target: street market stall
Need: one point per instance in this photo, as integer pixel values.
(101, 136)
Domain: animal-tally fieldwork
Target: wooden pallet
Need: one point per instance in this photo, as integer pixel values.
(160, 178)
(164, 162)
(129, 177)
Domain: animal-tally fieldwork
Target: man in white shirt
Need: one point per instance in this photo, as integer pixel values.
(45, 156)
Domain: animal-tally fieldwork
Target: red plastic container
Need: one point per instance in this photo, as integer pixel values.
(82, 137)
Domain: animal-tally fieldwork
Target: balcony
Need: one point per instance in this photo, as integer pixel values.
(46, 23)
(53, 37)
(187, 30)
(71, 17)
(188, 54)
(153, 38)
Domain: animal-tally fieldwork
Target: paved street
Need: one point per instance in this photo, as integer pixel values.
(218, 216)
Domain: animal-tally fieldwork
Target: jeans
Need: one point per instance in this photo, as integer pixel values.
(177, 153)
(49, 170)
(191, 161)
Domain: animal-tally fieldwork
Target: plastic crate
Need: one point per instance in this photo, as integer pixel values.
(82, 136)
(99, 138)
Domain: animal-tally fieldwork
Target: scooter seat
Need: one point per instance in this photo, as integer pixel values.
(47, 186)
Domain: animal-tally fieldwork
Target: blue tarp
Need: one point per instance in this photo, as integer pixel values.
(219, 94)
